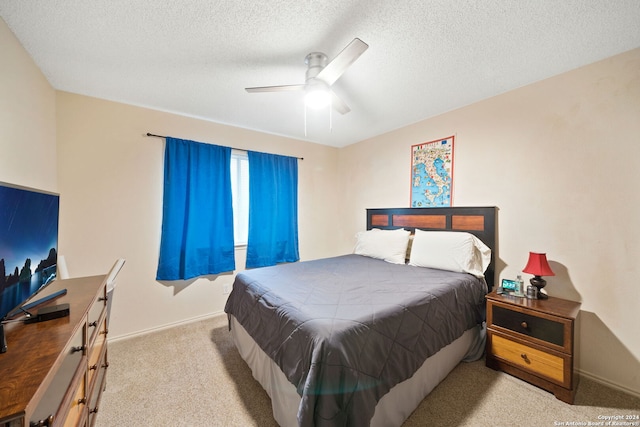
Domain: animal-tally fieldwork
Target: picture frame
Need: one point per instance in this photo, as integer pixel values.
(432, 173)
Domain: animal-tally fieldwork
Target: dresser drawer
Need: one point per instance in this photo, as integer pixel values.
(552, 330)
(97, 353)
(77, 407)
(549, 365)
(96, 313)
(70, 368)
(96, 394)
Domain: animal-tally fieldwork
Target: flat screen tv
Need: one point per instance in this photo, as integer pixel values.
(28, 243)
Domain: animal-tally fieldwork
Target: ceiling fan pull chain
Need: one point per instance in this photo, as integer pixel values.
(331, 117)
(305, 120)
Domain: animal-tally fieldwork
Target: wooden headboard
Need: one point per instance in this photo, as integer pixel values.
(479, 221)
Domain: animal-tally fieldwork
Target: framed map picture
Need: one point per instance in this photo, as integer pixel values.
(432, 173)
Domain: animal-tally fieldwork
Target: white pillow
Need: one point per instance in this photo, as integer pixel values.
(450, 250)
(389, 245)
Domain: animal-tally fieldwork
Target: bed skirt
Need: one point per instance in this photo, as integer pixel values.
(392, 410)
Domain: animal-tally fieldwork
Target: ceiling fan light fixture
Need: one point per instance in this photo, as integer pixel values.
(320, 76)
(317, 98)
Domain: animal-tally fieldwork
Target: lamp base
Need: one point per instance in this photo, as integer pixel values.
(539, 283)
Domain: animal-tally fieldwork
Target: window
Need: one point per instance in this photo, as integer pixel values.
(206, 194)
(240, 192)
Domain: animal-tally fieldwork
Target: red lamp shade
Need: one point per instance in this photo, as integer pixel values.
(538, 265)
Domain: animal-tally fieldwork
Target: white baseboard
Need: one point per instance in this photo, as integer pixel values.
(163, 327)
(608, 383)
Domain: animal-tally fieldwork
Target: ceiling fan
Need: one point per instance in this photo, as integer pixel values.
(320, 76)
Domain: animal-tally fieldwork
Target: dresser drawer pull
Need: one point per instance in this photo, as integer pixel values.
(525, 325)
(79, 348)
(105, 332)
(41, 423)
(103, 299)
(525, 358)
(93, 367)
(94, 410)
(82, 401)
(93, 324)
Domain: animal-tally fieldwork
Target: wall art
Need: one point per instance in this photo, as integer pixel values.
(432, 173)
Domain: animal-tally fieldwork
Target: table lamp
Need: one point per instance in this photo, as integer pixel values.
(538, 266)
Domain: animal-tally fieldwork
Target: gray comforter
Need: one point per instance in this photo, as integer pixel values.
(345, 330)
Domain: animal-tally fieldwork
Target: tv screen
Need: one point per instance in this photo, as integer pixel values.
(28, 243)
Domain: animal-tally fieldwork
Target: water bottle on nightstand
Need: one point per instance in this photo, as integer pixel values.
(521, 290)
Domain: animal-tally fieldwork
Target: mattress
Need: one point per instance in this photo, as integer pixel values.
(394, 407)
(344, 331)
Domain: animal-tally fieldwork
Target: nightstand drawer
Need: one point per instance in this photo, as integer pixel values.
(544, 329)
(541, 363)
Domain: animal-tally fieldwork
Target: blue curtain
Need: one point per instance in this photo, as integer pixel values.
(273, 210)
(197, 215)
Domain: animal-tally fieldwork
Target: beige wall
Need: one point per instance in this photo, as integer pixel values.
(27, 119)
(110, 177)
(561, 161)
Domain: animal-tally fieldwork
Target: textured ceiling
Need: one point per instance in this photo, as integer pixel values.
(195, 57)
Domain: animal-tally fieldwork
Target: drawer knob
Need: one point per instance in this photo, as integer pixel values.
(525, 325)
(93, 367)
(82, 401)
(45, 422)
(81, 348)
(93, 324)
(525, 358)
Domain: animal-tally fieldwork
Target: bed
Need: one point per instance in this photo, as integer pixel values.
(361, 339)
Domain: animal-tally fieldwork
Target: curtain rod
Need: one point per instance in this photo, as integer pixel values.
(241, 149)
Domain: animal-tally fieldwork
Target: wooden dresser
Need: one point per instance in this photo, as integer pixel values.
(53, 372)
(534, 341)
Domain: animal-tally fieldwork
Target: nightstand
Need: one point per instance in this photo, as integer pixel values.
(534, 341)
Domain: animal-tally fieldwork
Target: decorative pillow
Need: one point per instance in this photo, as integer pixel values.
(450, 250)
(389, 245)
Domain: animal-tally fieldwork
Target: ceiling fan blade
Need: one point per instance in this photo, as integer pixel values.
(339, 104)
(342, 61)
(285, 88)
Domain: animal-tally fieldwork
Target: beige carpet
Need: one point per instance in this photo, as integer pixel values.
(192, 375)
